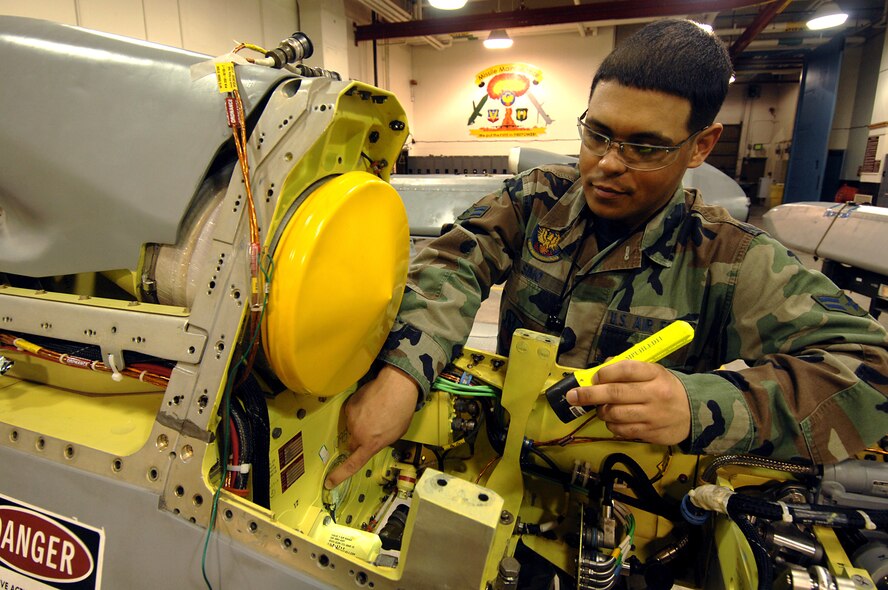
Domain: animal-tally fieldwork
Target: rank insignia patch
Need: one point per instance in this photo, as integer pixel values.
(473, 212)
(544, 244)
(839, 302)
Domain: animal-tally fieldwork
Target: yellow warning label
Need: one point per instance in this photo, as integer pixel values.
(225, 77)
(514, 132)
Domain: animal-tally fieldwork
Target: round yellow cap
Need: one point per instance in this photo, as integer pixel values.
(339, 272)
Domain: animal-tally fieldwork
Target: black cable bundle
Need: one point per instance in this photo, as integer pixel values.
(89, 351)
(829, 516)
(496, 432)
(741, 508)
(244, 434)
(637, 480)
(256, 410)
(759, 551)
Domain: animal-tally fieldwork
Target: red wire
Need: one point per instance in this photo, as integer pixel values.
(7, 342)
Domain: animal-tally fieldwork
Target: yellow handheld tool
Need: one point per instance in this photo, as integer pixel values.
(653, 348)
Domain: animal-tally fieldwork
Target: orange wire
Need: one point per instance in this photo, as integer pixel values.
(486, 467)
(240, 142)
(50, 355)
(239, 133)
(569, 438)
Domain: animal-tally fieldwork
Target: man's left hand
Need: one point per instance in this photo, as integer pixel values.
(638, 401)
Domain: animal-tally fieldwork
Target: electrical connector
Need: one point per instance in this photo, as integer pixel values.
(294, 48)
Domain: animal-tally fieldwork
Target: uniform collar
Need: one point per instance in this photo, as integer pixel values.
(661, 231)
(656, 240)
(566, 221)
(570, 214)
(568, 210)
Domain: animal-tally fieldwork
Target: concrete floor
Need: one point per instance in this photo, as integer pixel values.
(483, 335)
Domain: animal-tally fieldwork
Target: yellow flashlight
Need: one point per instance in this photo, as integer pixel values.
(653, 348)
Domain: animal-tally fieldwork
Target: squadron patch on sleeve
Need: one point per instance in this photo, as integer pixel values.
(839, 302)
(473, 212)
(544, 244)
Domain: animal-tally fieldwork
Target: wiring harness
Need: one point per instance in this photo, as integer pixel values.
(744, 510)
(79, 356)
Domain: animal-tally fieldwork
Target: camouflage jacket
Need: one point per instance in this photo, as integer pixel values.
(817, 380)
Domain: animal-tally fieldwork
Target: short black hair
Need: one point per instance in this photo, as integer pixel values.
(677, 57)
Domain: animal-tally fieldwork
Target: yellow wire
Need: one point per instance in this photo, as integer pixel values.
(251, 47)
(663, 465)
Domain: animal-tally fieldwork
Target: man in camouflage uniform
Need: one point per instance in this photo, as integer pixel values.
(608, 252)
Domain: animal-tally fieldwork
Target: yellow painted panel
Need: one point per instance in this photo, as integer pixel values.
(117, 424)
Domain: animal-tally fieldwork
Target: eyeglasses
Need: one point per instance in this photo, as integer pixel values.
(637, 156)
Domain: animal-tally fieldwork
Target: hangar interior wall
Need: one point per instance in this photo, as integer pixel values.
(436, 87)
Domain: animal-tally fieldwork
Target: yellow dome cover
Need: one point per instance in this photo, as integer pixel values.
(339, 273)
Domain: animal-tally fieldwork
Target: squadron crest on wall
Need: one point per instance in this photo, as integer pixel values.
(517, 110)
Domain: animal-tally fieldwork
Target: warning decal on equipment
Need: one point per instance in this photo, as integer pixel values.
(40, 550)
(292, 473)
(290, 450)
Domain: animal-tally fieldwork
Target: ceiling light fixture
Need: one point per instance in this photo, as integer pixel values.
(828, 15)
(447, 4)
(498, 39)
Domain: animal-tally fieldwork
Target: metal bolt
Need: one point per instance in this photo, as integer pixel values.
(507, 579)
(860, 581)
(506, 517)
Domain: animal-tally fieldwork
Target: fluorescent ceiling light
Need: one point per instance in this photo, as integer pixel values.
(447, 4)
(498, 39)
(827, 16)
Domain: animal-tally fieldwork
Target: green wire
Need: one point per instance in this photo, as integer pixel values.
(226, 409)
(226, 398)
(460, 389)
(630, 532)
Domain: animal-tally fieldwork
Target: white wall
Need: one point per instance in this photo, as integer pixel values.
(325, 24)
(766, 119)
(864, 97)
(880, 110)
(734, 107)
(394, 60)
(360, 56)
(205, 26)
(848, 78)
(879, 116)
(439, 104)
(445, 90)
(436, 87)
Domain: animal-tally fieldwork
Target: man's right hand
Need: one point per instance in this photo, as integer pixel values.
(376, 415)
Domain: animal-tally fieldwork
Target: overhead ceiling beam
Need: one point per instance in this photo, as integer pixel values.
(394, 13)
(534, 17)
(764, 18)
(581, 28)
